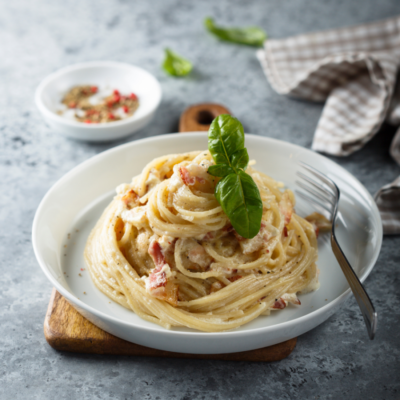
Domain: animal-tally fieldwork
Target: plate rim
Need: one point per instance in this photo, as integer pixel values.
(232, 333)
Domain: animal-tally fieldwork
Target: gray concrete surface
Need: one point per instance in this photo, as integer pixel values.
(335, 360)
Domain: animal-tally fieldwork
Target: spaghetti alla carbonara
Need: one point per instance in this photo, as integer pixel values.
(165, 249)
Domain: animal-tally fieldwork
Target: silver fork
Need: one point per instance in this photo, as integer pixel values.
(322, 192)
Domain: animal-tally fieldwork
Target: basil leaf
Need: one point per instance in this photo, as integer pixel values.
(252, 36)
(225, 137)
(240, 159)
(176, 65)
(220, 170)
(240, 199)
(236, 192)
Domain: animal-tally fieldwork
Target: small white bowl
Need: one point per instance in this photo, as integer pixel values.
(124, 77)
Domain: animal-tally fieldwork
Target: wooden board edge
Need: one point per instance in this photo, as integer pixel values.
(112, 345)
(51, 335)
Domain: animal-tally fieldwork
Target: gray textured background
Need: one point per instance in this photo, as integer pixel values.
(335, 360)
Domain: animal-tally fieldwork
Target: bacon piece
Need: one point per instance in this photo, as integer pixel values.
(157, 284)
(199, 256)
(319, 223)
(286, 207)
(283, 301)
(156, 254)
(136, 216)
(199, 171)
(234, 278)
(279, 304)
(156, 280)
(291, 298)
(285, 231)
(249, 246)
(167, 244)
(189, 180)
(130, 198)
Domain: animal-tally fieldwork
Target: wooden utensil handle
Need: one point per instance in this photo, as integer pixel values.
(199, 117)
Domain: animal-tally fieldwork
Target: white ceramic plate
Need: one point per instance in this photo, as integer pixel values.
(113, 75)
(72, 206)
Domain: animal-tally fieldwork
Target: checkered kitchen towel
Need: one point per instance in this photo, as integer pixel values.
(354, 69)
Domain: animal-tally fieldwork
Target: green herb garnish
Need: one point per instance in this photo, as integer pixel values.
(252, 36)
(236, 192)
(176, 65)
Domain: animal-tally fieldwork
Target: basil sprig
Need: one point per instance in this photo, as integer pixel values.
(252, 36)
(176, 65)
(236, 192)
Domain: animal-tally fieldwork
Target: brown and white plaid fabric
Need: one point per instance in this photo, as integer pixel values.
(354, 69)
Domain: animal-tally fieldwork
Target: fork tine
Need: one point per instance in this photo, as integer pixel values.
(321, 207)
(321, 176)
(318, 185)
(364, 302)
(319, 195)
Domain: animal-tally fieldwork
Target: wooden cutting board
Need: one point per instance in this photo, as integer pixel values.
(67, 330)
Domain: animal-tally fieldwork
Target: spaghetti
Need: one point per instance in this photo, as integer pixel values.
(165, 249)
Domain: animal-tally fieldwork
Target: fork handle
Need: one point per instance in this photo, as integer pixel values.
(363, 300)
